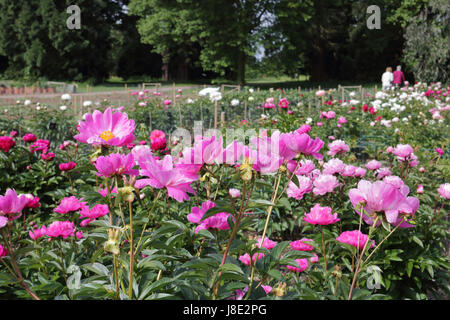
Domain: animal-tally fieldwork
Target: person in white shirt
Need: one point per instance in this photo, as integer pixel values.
(387, 78)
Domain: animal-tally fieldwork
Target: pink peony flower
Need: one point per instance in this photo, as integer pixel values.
(33, 201)
(40, 145)
(342, 120)
(267, 243)
(37, 233)
(439, 151)
(69, 204)
(305, 128)
(283, 103)
(235, 193)
(360, 172)
(294, 143)
(395, 181)
(355, 238)
(302, 265)
(444, 190)
(403, 150)
(62, 229)
(108, 128)
(373, 165)
(301, 245)
(29, 137)
(163, 174)
(11, 205)
(336, 147)
(3, 251)
(320, 93)
(349, 171)
(420, 189)
(47, 156)
(217, 221)
(321, 215)
(159, 144)
(67, 166)
(97, 211)
(155, 134)
(245, 259)
(333, 166)
(6, 143)
(383, 172)
(115, 164)
(305, 167)
(103, 192)
(297, 192)
(325, 183)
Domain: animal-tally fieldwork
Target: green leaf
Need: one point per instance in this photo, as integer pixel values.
(97, 268)
(417, 240)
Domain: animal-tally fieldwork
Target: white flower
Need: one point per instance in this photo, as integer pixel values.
(234, 102)
(5, 111)
(352, 94)
(251, 98)
(190, 101)
(405, 119)
(215, 96)
(309, 120)
(251, 90)
(207, 91)
(396, 130)
(263, 116)
(38, 108)
(87, 103)
(299, 104)
(27, 102)
(62, 108)
(66, 96)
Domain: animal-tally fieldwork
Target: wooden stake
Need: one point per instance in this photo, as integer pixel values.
(215, 114)
(245, 110)
(222, 119)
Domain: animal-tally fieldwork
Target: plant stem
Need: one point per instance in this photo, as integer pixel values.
(324, 251)
(130, 287)
(149, 214)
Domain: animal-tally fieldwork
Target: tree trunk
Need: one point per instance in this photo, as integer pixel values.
(242, 57)
(165, 65)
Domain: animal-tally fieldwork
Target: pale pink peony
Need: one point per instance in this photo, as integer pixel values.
(444, 190)
(325, 183)
(373, 165)
(333, 166)
(235, 193)
(305, 167)
(337, 147)
(403, 150)
(294, 143)
(321, 215)
(297, 192)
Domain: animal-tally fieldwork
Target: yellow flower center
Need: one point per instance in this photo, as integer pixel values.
(107, 135)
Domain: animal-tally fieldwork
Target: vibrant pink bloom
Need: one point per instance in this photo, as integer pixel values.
(245, 259)
(79, 235)
(319, 124)
(342, 120)
(267, 243)
(302, 244)
(305, 167)
(440, 151)
(389, 149)
(403, 150)
(3, 221)
(62, 229)
(422, 169)
(159, 144)
(294, 143)
(67, 166)
(167, 102)
(6, 143)
(3, 251)
(235, 193)
(336, 147)
(444, 190)
(29, 137)
(205, 150)
(420, 189)
(321, 215)
(108, 128)
(37, 233)
(355, 238)
(33, 201)
(305, 128)
(314, 259)
(103, 192)
(373, 165)
(11, 204)
(115, 164)
(155, 134)
(40, 145)
(333, 166)
(283, 103)
(217, 221)
(325, 183)
(163, 174)
(297, 192)
(302, 265)
(97, 211)
(378, 197)
(47, 156)
(13, 133)
(69, 204)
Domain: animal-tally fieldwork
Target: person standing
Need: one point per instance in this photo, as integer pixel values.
(399, 77)
(387, 78)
